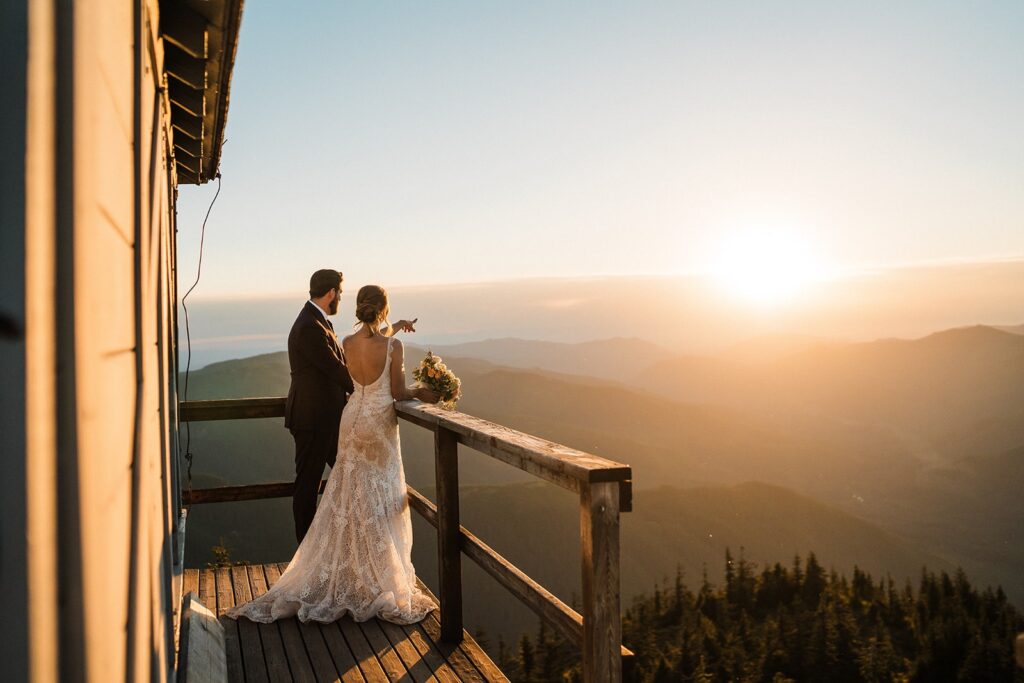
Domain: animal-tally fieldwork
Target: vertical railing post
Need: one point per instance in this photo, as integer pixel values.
(449, 559)
(602, 625)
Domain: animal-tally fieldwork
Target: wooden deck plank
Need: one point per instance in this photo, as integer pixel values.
(190, 582)
(257, 580)
(316, 647)
(298, 659)
(369, 664)
(389, 660)
(225, 601)
(319, 655)
(370, 652)
(248, 632)
(414, 662)
(270, 634)
(208, 589)
(344, 660)
(452, 654)
(468, 647)
(425, 646)
(225, 593)
(476, 655)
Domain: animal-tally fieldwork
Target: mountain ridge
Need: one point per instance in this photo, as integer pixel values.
(958, 503)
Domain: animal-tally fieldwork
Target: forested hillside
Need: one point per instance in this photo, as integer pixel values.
(799, 622)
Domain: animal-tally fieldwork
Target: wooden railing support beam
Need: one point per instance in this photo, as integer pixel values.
(449, 557)
(545, 604)
(234, 494)
(602, 624)
(231, 409)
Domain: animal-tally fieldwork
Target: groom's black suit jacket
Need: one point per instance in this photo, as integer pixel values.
(320, 379)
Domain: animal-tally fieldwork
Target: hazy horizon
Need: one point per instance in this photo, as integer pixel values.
(692, 175)
(685, 314)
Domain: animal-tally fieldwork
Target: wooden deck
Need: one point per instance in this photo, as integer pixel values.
(288, 650)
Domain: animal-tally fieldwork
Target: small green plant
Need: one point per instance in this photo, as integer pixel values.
(222, 557)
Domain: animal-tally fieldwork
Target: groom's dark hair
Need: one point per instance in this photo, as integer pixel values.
(323, 281)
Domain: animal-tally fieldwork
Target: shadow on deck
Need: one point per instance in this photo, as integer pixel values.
(373, 651)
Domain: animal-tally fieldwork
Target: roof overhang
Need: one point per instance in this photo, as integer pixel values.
(200, 40)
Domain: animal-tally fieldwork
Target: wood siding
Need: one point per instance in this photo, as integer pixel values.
(95, 474)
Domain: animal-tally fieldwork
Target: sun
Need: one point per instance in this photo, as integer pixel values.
(766, 268)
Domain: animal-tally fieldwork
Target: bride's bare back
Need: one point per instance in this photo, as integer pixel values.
(365, 356)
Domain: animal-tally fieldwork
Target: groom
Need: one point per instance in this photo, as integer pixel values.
(319, 387)
(317, 395)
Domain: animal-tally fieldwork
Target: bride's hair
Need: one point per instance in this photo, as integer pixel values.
(372, 306)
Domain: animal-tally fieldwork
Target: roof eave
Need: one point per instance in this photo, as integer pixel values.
(201, 41)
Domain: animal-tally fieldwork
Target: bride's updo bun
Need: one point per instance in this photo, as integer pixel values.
(372, 305)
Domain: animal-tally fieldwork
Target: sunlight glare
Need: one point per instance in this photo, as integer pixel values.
(767, 268)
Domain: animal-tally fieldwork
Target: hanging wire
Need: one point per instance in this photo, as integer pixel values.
(188, 339)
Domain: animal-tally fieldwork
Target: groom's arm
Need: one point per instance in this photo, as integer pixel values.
(319, 351)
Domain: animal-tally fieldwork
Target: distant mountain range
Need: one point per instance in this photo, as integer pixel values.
(957, 392)
(954, 393)
(887, 454)
(771, 347)
(617, 359)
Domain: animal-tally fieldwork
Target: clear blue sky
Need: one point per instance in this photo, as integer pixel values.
(410, 143)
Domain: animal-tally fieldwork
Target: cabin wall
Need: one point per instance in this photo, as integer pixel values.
(27, 390)
(91, 504)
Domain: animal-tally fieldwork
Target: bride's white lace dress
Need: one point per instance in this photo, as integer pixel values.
(356, 556)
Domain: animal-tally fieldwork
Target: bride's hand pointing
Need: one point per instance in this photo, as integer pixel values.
(405, 325)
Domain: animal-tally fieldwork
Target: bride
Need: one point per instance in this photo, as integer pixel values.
(356, 557)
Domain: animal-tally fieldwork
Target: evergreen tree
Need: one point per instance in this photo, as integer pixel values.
(663, 672)
(504, 662)
(730, 579)
(547, 653)
(800, 623)
(813, 583)
(526, 657)
(678, 593)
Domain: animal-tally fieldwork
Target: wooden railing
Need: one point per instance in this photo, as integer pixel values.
(604, 488)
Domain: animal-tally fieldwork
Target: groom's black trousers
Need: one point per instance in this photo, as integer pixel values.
(314, 448)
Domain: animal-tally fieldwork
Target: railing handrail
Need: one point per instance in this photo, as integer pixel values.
(231, 408)
(561, 465)
(514, 447)
(604, 487)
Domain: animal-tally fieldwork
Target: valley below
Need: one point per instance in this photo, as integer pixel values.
(889, 456)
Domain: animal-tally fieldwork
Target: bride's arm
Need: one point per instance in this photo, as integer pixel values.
(399, 390)
(400, 326)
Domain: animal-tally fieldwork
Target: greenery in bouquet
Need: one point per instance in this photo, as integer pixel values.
(433, 374)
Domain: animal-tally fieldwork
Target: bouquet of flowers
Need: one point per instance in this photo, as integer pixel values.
(435, 375)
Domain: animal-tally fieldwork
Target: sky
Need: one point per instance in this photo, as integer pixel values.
(425, 143)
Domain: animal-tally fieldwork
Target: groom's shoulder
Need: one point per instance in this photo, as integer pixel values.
(305, 318)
